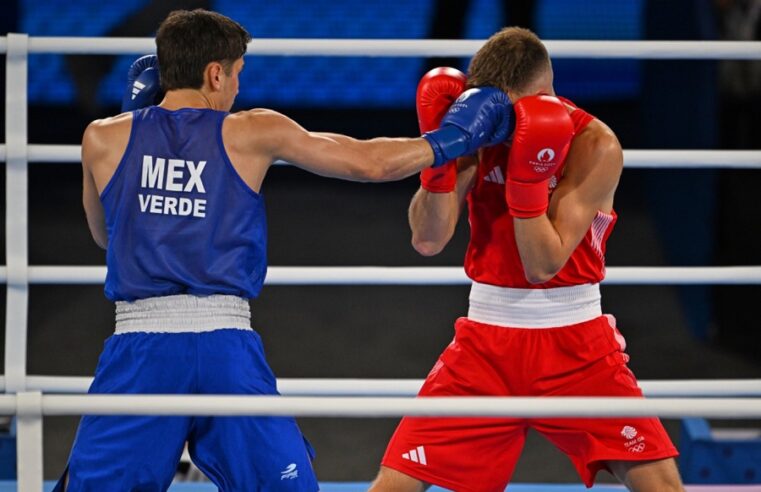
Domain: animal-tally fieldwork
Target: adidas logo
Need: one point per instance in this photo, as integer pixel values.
(136, 88)
(416, 455)
(495, 176)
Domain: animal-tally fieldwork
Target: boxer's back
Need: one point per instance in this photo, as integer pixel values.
(180, 219)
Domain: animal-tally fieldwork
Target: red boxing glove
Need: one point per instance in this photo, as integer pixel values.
(437, 91)
(543, 134)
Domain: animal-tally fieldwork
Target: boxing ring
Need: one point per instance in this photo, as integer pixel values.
(32, 397)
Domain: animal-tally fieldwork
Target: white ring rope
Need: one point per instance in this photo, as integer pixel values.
(410, 387)
(224, 405)
(371, 275)
(703, 50)
(663, 159)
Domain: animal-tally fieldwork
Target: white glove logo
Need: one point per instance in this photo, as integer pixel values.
(545, 155)
(464, 96)
(136, 88)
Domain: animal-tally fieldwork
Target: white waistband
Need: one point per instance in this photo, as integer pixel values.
(182, 314)
(534, 308)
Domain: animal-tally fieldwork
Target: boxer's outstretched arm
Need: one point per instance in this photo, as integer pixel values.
(433, 216)
(592, 171)
(333, 155)
(387, 159)
(477, 118)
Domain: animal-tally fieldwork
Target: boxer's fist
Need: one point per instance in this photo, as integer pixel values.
(436, 92)
(543, 134)
(142, 83)
(479, 117)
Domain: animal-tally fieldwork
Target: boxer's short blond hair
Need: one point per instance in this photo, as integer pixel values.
(510, 59)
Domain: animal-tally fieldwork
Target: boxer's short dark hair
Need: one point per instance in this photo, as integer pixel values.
(187, 41)
(510, 59)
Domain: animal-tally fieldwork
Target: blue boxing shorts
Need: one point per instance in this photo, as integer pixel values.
(115, 453)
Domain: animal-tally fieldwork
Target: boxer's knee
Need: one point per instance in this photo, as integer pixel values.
(389, 480)
(648, 476)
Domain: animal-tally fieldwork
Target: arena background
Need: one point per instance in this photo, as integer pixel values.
(667, 217)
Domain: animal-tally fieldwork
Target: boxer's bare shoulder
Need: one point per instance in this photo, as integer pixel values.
(103, 145)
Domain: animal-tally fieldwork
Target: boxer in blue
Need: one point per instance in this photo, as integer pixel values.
(171, 192)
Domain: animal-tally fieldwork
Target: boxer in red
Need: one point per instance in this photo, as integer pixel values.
(540, 211)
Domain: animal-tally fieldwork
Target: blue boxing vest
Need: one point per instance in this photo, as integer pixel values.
(180, 220)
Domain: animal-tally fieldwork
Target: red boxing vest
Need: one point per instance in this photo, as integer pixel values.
(492, 256)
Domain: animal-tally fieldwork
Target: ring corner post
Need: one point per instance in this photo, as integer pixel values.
(29, 408)
(29, 441)
(16, 229)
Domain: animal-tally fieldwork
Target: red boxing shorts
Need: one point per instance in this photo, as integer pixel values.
(479, 454)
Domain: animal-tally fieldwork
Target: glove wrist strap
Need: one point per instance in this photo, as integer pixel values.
(527, 200)
(440, 179)
(448, 142)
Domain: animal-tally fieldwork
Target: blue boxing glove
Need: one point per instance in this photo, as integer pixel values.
(480, 116)
(142, 83)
